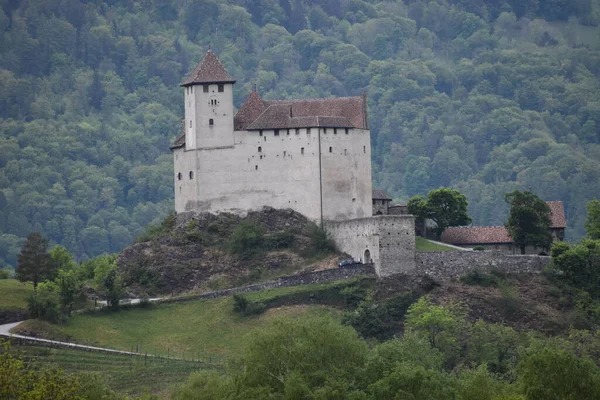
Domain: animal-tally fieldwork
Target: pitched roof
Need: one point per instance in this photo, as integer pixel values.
(209, 70)
(379, 194)
(558, 219)
(476, 235)
(339, 112)
(498, 234)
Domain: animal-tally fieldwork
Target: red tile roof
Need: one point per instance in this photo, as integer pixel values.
(558, 214)
(209, 70)
(473, 235)
(476, 235)
(338, 112)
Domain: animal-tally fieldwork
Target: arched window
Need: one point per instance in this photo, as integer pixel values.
(259, 149)
(179, 176)
(211, 122)
(191, 174)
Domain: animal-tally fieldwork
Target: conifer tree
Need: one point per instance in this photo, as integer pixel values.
(34, 262)
(529, 220)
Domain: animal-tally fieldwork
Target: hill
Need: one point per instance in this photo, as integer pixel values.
(200, 251)
(483, 96)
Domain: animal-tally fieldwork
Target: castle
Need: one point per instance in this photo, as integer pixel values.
(313, 156)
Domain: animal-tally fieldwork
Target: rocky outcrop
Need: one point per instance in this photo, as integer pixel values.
(193, 253)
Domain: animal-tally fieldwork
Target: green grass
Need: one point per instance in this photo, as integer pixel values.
(125, 374)
(14, 294)
(206, 327)
(426, 245)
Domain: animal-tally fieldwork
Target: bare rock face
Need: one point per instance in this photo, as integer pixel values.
(194, 253)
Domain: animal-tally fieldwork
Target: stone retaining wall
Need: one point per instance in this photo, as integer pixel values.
(447, 264)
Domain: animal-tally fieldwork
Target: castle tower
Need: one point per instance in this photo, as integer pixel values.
(208, 105)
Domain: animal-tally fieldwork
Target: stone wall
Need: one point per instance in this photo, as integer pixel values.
(454, 264)
(328, 275)
(386, 241)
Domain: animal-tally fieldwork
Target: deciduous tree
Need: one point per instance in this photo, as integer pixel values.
(592, 223)
(529, 220)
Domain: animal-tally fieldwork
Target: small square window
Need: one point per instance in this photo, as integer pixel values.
(205, 88)
(276, 132)
(221, 88)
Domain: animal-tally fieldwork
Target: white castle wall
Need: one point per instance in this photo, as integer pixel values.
(240, 177)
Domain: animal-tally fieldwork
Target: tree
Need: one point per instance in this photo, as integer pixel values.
(68, 288)
(34, 263)
(529, 220)
(579, 265)
(108, 281)
(592, 223)
(446, 207)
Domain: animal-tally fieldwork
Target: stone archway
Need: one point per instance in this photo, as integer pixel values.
(367, 257)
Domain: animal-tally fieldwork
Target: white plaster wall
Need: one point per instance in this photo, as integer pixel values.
(389, 239)
(190, 116)
(241, 178)
(346, 174)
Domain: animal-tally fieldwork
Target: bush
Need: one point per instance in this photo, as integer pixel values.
(45, 303)
(279, 240)
(245, 307)
(4, 274)
(478, 278)
(479, 248)
(247, 239)
(321, 241)
(510, 297)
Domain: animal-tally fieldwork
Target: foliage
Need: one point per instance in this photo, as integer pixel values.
(245, 307)
(69, 290)
(529, 220)
(379, 319)
(592, 223)
(34, 263)
(247, 239)
(321, 240)
(446, 207)
(45, 303)
(476, 277)
(4, 274)
(551, 373)
(580, 265)
(108, 280)
(152, 231)
(62, 259)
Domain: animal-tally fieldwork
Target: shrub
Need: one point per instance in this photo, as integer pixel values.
(510, 297)
(247, 239)
(478, 278)
(45, 303)
(320, 239)
(279, 240)
(4, 274)
(479, 248)
(245, 307)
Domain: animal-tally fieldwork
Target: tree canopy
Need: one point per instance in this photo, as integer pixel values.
(592, 222)
(34, 262)
(529, 221)
(446, 207)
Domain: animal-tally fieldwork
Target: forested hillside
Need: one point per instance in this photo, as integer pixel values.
(481, 95)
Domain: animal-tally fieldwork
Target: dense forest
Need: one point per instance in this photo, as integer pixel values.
(485, 96)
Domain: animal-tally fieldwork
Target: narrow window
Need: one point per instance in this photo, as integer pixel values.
(365, 149)
(284, 153)
(179, 176)
(191, 174)
(259, 149)
(346, 130)
(211, 122)
(221, 88)
(260, 133)
(302, 150)
(324, 130)
(205, 88)
(345, 152)
(256, 167)
(297, 131)
(335, 131)
(330, 149)
(264, 137)
(190, 123)
(288, 132)
(276, 132)
(308, 131)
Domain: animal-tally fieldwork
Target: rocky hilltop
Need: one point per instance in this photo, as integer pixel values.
(202, 251)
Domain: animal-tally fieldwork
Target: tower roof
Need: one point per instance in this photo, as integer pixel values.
(210, 70)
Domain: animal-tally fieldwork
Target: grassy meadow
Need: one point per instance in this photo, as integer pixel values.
(14, 294)
(423, 244)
